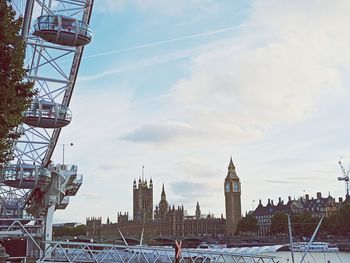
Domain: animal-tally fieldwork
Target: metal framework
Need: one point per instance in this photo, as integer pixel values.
(344, 178)
(31, 187)
(100, 253)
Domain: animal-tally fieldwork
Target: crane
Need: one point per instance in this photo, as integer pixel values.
(345, 177)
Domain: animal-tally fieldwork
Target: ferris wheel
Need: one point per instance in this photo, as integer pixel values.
(55, 33)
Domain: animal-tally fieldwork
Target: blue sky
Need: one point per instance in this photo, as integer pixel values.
(179, 86)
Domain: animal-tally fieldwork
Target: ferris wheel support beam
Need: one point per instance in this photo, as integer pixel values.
(48, 224)
(27, 18)
(30, 42)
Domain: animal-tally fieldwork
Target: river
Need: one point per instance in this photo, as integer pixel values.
(340, 257)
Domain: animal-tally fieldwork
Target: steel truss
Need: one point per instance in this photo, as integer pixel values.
(100, 253)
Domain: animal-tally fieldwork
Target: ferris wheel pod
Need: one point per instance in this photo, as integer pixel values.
(62, 30)
(25, 176)
(47, 114)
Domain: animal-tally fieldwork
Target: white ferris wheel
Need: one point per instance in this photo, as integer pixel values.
(31, 186)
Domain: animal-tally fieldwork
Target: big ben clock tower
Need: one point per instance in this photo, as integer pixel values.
(232, 199)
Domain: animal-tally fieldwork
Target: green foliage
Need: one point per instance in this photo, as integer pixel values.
(247, 224)
(66, 231)
(333, 225)
(15, 93)
(304, 224)
(279, 223)
(339, 223)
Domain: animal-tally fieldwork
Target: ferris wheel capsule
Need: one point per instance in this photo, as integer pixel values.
(26, 176)
(47, 114)
(62, 30)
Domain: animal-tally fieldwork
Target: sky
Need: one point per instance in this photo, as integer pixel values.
(181, 86)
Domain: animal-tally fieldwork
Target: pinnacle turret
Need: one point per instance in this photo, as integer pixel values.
(163, 195)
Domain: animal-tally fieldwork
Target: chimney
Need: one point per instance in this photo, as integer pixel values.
(319, 195)
(279, 200)
(272, 202)
(307, 197)
(260, 202)
(268, 201)
(289, 198)
(340, 199)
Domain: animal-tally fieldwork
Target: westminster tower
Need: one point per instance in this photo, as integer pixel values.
(232, 188)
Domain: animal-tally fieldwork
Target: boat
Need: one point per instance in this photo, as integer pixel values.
(315, 247)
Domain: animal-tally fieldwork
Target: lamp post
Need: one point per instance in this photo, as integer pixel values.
(63, 146)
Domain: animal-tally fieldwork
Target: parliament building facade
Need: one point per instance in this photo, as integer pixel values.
(169, 221)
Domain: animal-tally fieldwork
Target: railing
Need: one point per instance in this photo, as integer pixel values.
(100, 253)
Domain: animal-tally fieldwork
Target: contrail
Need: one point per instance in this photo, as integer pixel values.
(157, 43)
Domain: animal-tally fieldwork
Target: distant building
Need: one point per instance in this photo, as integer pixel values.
(93, 226)
(317, 207)
(170, 221)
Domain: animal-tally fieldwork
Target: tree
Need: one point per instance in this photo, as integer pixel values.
(15, 93)
(66, 231)
(247, 224)
(338, 223)
(344, 218)
(333, 224)
(279, 223)
(304, 224)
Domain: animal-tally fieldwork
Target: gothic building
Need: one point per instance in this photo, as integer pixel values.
(169, 221)
(143, 201)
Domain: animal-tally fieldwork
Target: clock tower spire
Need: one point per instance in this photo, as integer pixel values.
(232, 188)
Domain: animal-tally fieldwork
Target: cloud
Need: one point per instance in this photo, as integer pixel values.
(280, 182)
(167, 41)
(144, 63)
(159, 132)
(280, 77)
(91, 195)
(188, 190)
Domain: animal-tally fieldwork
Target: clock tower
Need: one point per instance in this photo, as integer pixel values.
(232, 188)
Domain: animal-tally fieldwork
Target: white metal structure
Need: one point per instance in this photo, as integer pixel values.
(100, 253)
(344, 178)
(31, 187)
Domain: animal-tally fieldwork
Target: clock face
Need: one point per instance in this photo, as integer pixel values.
(235, 187)
(227, 187)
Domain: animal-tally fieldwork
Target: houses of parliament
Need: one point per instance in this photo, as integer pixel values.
(167, 220)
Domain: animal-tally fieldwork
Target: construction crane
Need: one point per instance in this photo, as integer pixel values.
(345, 177)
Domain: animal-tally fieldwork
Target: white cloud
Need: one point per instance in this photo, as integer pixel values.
(292, 58)
(159, 132)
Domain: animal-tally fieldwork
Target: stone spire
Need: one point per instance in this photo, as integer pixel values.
(163, 196)
(231, 169)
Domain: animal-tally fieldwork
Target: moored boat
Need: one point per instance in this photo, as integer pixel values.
(315, 247)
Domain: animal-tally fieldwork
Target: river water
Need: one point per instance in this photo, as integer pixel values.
(340, 257)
